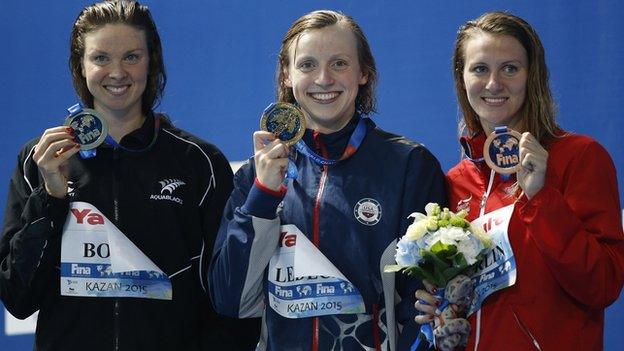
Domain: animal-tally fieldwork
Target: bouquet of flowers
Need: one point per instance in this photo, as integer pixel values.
(439, 247)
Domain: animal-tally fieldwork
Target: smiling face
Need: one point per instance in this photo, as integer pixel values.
(325, 75)
(115, 67)
(495, 78)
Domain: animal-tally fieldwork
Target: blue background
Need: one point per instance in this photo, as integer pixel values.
(220, 58)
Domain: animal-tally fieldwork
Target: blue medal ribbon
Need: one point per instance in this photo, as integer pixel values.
(354, 143)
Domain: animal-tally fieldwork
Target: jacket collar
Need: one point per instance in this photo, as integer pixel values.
(473, 147)
(335, 142)
(141, 137)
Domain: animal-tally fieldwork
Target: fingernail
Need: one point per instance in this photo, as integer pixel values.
(434, 290)
(438, 302)
(69, 130)
(77, 146)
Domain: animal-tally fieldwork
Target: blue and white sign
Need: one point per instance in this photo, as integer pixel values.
(304, 283)
(98, 260)
(498, 270)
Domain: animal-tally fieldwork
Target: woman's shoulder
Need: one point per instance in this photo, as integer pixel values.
(577, 152)
(187, 141)
(394, 147)
(573, 144)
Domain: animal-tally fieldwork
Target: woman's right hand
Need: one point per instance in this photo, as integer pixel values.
(426, 304)
(271, 158)
(52, 151)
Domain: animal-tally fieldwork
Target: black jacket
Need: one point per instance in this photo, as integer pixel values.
(125, 187)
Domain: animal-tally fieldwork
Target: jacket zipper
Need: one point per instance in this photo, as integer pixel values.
(316, 230)
(116, 218)
(526, 331)
(482, 204)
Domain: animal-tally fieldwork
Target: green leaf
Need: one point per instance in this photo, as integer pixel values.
(437, 265)
(460, 261)
(452, 272)
(391, 268)
(420, 273)
(443, 251)
(440, 279)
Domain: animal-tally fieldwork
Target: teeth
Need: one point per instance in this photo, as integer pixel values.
(325, 96)
(494, 100)
(116, 90)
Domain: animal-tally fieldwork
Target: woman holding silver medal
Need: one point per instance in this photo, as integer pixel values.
(311, 223)
(560, 192)
(107, 244)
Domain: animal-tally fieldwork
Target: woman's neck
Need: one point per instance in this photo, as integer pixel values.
(121, 123)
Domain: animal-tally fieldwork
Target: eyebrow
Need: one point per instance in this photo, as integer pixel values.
(503, 63)
(310, 57)
(98, 51)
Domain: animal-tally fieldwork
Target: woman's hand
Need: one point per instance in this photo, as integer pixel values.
(271, 158)
(55, 147)
(533, 158)
(426, 304)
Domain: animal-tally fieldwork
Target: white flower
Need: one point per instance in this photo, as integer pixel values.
(432, 209)
(470, 248)
(416, 230)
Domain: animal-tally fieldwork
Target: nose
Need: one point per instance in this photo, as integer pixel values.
(324, 77)
(117, 71)
(493, 84)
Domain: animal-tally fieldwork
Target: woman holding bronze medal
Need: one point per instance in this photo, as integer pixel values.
(107, 244)
(554, 201)
(311, 223)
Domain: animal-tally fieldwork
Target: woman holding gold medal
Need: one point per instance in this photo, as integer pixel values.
(311, 223)
(107, 243)
(555, 201)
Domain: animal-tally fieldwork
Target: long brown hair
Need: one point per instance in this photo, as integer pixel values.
(538, 110)
(365, 102)
(118, 12)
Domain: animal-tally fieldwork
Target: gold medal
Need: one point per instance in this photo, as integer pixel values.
(285, 121)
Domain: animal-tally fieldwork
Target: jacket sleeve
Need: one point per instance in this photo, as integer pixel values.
(424, 183)
(575, 221)
(219, 186)
(30, 244)
(247, 239)
(230, 333)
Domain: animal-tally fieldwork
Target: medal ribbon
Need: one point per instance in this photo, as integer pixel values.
(354, 143)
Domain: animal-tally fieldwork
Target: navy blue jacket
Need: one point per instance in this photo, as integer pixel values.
(400, 175)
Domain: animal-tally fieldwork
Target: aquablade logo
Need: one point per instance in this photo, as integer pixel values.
(167, 188)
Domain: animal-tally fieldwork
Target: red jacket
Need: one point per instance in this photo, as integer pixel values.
(568, 245)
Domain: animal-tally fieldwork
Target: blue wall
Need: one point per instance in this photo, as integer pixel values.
(220, 58)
